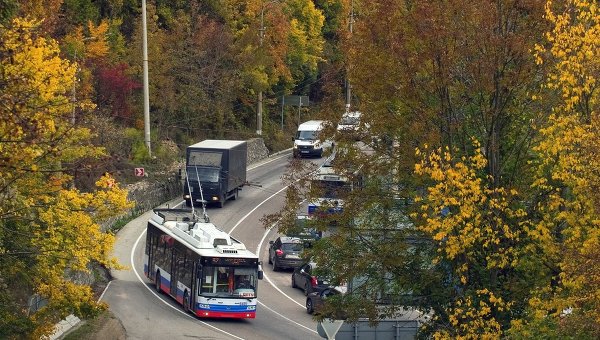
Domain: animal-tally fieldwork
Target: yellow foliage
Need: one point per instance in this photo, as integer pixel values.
(97, 46)
(569, 230)
(58, 224)
(471, 223)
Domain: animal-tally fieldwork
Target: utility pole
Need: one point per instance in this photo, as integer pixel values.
(74, 98)
(259, 110)
(261, 30)
(348, 86)
(146, 91)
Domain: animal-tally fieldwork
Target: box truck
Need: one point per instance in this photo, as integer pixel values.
(215, 171)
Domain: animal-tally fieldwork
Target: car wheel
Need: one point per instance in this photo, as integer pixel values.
(309, 306)
(270, 261)
(275, 266)
(294, 285)
(157, 281)
(306, 288)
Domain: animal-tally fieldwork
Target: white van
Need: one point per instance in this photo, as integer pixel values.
(350, 121)
(307, 142)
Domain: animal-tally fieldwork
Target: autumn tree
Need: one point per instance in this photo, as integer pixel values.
(457, 76)
(566, 231)
(49, 230)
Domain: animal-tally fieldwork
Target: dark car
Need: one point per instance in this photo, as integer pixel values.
(304, 278)
(285, 252)
(303, 230)
(316, 300)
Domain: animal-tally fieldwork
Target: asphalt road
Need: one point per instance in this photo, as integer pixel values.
(280, 312)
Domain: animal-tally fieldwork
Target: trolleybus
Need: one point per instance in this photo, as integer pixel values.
(202, 267)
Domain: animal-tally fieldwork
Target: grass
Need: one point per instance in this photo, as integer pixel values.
(105, 326)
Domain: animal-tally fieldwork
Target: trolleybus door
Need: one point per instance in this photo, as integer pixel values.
(175, 268)
(150, 250)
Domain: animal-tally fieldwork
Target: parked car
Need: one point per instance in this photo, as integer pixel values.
(285, 252)
(304, 278)
(316, 300)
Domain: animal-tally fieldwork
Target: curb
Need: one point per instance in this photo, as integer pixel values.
(64, 326)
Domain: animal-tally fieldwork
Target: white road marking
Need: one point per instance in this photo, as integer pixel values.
(180, 311)
(258, 254)
(265, 275)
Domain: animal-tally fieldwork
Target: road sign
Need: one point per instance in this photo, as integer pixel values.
(295, 101)
(140, 172)
(386, 329)
(331, 327)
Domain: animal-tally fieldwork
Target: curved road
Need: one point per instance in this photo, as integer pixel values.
(280, 313)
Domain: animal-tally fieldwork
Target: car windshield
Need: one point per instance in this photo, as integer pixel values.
(306, 135)
(292, 247)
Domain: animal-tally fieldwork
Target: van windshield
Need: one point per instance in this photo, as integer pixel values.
(349, 120)
(306, 135)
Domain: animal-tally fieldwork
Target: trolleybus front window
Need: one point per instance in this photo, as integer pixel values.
(228, 281)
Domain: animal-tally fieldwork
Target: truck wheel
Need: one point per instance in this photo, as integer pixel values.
(221, 202)
(236, 194)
